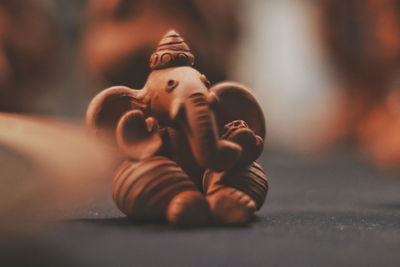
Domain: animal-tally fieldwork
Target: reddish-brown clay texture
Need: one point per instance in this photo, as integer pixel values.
(175, 128)
(146, 189)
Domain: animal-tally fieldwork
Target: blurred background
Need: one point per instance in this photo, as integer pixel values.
(326, 72)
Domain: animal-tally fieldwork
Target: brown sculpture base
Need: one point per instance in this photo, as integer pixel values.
(157, 189)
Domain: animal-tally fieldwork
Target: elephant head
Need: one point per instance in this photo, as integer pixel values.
(178, 96)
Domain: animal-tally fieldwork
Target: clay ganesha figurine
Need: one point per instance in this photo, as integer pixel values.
(190, 147)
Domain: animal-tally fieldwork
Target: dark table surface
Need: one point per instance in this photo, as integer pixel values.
(336, 210)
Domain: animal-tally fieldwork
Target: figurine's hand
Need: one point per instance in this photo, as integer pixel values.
(137, 136)
(239, 132)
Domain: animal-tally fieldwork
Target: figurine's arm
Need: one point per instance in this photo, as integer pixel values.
(119, 116)
(106, 109)
(240, 118)
(252, 144)
(138, 137)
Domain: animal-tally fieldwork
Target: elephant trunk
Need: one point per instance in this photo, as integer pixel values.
(202, 132)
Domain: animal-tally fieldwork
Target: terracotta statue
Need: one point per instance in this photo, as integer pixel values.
(190, 147)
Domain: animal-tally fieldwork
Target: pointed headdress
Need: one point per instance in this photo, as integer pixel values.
(172, 51)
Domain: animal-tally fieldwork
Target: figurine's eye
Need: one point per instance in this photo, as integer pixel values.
(171, 84)
(204, 79)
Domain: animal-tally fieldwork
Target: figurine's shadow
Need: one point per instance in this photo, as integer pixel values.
(125, 222)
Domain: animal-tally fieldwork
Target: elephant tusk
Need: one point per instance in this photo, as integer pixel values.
(176, 108)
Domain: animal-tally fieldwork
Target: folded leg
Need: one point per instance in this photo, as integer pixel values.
(235, 195)
(157, 189)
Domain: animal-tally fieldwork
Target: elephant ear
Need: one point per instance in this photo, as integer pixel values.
(106, 109)
(233, 102)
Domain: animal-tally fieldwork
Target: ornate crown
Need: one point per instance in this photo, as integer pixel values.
(172, 51)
